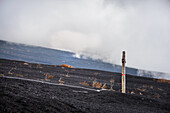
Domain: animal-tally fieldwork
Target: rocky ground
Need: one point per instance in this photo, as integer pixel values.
(27, 87)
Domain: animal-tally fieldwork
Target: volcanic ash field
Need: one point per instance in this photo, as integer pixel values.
(27, 87)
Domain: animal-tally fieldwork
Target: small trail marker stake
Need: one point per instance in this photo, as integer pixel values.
(123, 73)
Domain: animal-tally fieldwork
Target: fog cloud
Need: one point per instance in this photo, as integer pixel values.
(100, 29)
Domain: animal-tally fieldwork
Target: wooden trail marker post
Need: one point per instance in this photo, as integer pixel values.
(123, 73)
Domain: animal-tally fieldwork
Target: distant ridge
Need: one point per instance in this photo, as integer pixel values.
(37, 54)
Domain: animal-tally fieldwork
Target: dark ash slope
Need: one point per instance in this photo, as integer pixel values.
(144, 95)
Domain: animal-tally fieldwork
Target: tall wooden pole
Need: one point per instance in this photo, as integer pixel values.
(123, 73)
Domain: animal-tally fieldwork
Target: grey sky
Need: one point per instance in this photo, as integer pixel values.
(100, 29)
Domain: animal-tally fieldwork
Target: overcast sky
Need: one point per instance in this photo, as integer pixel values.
(101, 29)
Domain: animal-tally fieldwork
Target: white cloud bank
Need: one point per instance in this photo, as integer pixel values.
(100, 29)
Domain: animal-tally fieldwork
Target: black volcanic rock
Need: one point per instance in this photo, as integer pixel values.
(19, 94)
